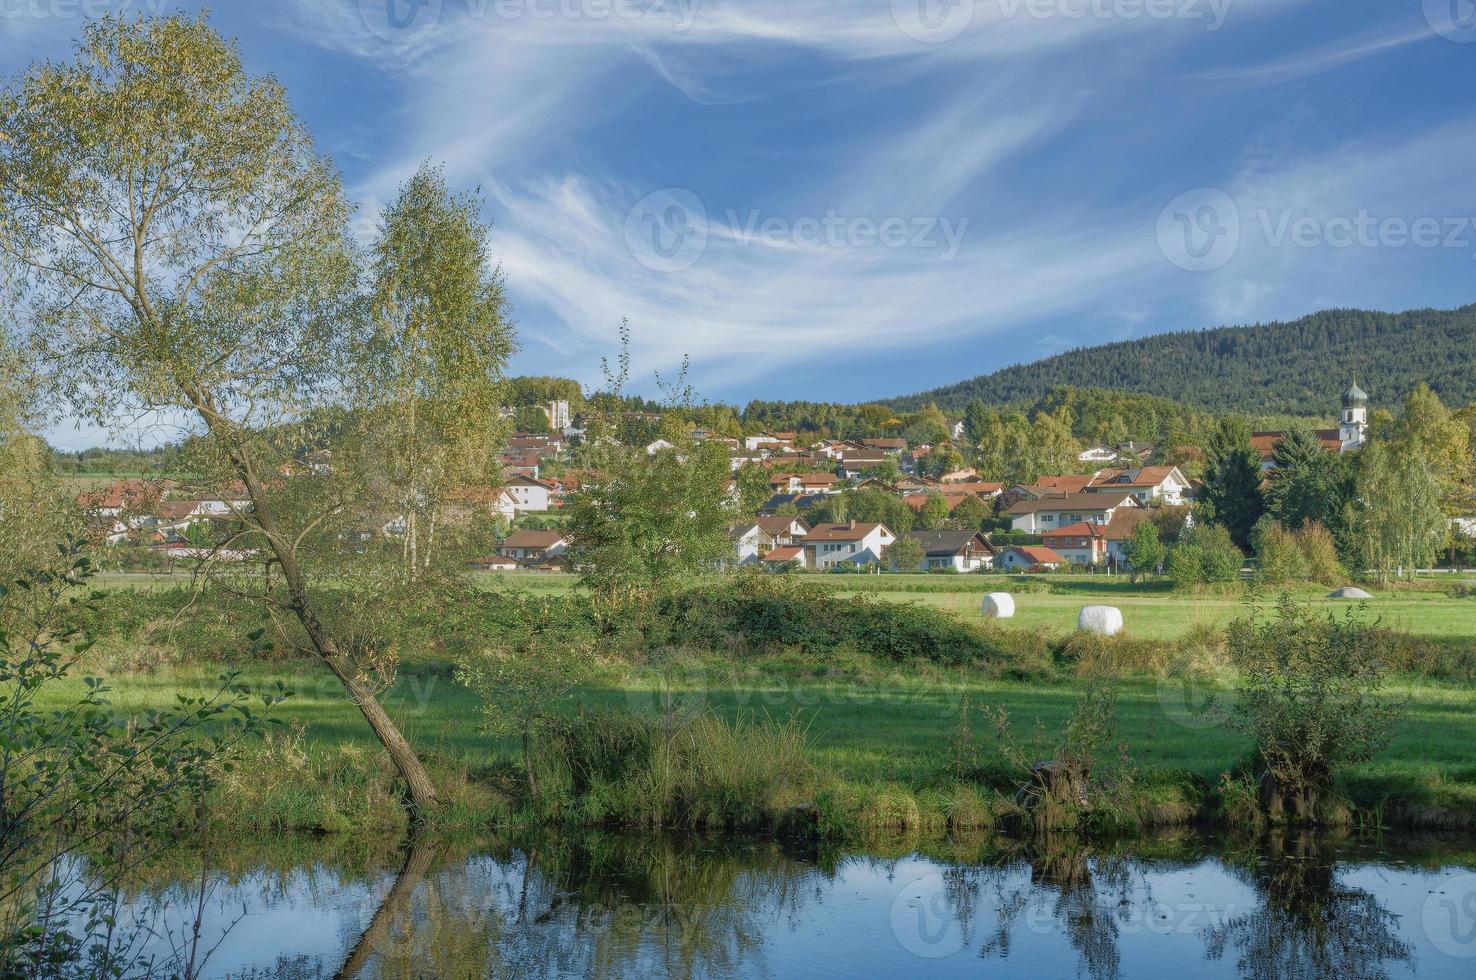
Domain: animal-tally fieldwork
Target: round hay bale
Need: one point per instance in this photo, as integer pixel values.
(998, 605)
(1349, 592)
(1101, 620)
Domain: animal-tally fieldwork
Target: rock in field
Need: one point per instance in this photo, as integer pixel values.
(1101, 620)
(998, 605)
(1349, 592)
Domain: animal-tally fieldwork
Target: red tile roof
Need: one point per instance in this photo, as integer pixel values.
(532, 539)
(1038, 556)
(1081, 529)
(787, 553)
(1071, 483)
(852, 531)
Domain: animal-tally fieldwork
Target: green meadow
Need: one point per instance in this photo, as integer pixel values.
(883, 728)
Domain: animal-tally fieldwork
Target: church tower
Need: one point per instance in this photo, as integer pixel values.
(1353, 428)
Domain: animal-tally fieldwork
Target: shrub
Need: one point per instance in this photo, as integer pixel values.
(1279, 558)
(1309, 695)
(1185, 565)
(766, 613)
(1221, 558)
(1320, 552)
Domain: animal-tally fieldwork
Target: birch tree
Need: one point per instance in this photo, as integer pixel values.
(181, 248)
(429, 373)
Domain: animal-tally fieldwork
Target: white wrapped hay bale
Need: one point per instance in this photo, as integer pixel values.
(998, 605)
(1101, 620)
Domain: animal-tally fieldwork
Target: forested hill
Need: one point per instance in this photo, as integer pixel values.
(1295, 368)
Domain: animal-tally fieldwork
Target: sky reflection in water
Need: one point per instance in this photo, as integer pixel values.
(682, 907)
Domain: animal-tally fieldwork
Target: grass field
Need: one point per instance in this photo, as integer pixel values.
(893, 725)
(893, 729)
(1152, 610)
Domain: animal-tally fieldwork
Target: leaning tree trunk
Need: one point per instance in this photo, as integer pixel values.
(421, 791)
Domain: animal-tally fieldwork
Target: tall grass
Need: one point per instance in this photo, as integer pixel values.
(699, 771)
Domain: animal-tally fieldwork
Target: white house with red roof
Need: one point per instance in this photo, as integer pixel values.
(1052, 510)
(828, 545)
(1080, 543)
(1166, 484)
(531, 494)
(1023, 558)
(784, 555)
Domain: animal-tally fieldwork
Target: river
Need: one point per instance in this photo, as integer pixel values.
(1185, 906)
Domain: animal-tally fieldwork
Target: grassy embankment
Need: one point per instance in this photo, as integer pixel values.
(882, 736)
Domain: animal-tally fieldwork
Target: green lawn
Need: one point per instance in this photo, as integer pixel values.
(897, 728)
(895, 723)
(1151, 610)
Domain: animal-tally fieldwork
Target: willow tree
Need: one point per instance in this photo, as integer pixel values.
(182, 249)
(427, 378)
(35, 515)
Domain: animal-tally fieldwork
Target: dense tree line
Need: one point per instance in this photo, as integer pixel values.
(1290, 368)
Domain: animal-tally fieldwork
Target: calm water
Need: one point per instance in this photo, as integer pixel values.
(683, 907)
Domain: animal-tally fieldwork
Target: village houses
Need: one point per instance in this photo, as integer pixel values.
(828, 545)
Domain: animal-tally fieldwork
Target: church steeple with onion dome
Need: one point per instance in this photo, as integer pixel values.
(1353, 428)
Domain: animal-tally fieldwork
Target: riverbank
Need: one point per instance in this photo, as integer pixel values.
(884, 746)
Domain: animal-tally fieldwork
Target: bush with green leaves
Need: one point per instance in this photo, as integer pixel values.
(85, 795)
(526, 675)
(1310, 695)
(769, 612)
(1279, 558)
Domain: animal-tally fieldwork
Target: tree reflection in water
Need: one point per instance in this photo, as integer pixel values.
(608, 906)
(1309, 925)
(1083, 901)
(603, 907)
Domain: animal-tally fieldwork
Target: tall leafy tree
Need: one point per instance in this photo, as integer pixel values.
(1232, 481)
(1145, 552)
(181, 247)
(427, 377)
(642, 522)
(1399, 519)
(1053, 449)
(977, 419)
(1427, 427)
(934, 513)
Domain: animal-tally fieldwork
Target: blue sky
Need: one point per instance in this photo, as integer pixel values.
(848, 199)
